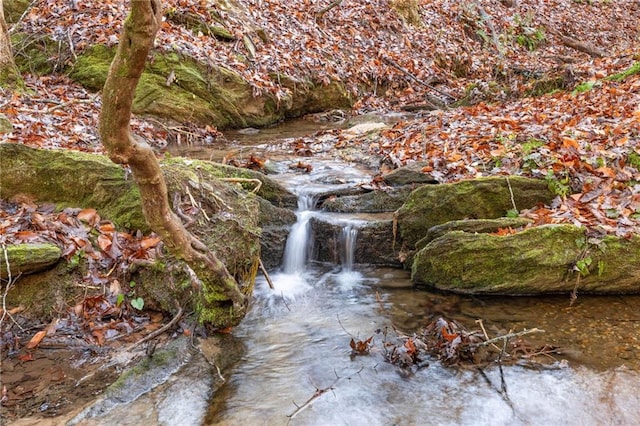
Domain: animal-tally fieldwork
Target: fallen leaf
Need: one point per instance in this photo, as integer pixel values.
(36, 339)
(89, 216)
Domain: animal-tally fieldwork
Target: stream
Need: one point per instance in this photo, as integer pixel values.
(297, 365)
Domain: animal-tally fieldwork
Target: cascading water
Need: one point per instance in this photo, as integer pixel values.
(298, 242)
(348, 239)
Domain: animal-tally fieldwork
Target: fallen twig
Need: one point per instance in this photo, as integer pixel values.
(266, 275)
(506, 337)
(10, 281)
(319, 392)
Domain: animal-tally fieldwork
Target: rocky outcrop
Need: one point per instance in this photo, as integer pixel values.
(479, 226)
(182, 89)
(410, 174)
(377, 201)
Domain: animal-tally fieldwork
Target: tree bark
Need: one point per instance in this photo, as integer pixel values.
(123, 147)
(8, 70)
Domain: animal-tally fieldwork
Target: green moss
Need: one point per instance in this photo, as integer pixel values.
(27, 258)
(45, 175)
(270, 190)
(484, 198)
(44, 295)
(13, 9)
(634, 159)
(227, 223)
(92, 66)
(530, 145)
(584, 87)
(634, 69)
(537, 260)
(178, 87)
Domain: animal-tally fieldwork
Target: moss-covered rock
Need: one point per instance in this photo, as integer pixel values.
(308, 97)
(538, 260)
(483, 198)
(13, 9)
(5, 124)
(45, 294)
(270, 190)
(28, 258)
(480, 226)
(182, 89)
(408, 175)
(71, 179)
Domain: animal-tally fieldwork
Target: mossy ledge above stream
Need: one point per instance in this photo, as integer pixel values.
(227, 221)
(179, 88)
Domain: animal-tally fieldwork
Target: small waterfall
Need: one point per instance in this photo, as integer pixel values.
(348, 238)
(299, 241)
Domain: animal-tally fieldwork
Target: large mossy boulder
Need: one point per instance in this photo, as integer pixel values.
(540, 260)
(71, 179)
(227, 216)
(481, 226)
(180, 88)
(483, 198)
(77, 179)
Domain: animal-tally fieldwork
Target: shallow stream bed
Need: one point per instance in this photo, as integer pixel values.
(297, 345)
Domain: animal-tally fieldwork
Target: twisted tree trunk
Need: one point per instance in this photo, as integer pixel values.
(123, 147)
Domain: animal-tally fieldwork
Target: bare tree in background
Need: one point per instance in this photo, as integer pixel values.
(8, 71)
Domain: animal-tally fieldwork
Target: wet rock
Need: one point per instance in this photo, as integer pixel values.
(410, 174)
(538, 260)
(173, 387)
(377, 201)
(364, 128)
(275, 223)
(483, 198)
(28, 258)
(373, 246)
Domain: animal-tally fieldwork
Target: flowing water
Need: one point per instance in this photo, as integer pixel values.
(298, 367)
(298, 345)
